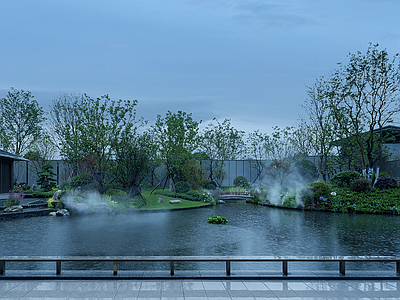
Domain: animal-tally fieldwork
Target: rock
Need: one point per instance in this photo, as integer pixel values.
(57, 195)
(53, 214)
(62, 213)
(160, 200)
(34, 187)
(174, 201)
(220, 202)
(13, 209)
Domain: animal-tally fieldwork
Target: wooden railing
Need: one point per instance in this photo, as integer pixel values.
(227, 259)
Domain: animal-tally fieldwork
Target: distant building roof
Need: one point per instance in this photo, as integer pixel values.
(393, 131)
(9, 155)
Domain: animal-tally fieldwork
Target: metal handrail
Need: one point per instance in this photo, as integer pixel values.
(227, 259)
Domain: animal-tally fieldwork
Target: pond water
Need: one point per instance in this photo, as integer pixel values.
(251, 230)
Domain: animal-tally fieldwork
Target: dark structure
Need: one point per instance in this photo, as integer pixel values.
(6, 170)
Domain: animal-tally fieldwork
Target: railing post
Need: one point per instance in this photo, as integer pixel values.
(285, 267)
(228, 267)
(398, 267)
(172, 267)
(2, 267)
(115, 268)
(342, 267)
(58, 267)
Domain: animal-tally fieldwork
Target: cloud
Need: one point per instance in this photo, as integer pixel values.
(276, 15)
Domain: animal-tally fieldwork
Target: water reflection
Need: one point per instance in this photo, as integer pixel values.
(251, 230)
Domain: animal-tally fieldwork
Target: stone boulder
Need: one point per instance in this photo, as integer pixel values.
(174, 201)
(34, 187)
(220, 202)
(13, 209)
(160, 200)
(57, 195)
(62, 213)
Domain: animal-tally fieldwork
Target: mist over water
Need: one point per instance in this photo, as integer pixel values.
(251, 230)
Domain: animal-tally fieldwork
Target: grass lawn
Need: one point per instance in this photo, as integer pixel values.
(152, 203)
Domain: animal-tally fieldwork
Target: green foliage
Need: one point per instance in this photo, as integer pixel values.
(217, 220)
(14, 198)
(194, 174)
(65, 185)
(360, 185)
(307, 195)
(320, 189)
(80, 180)
(116, 194)
(190, 195)
(290, 202)
(42, 194)
(210, 186)
(135, 158)
(221, 142)
(307, 169)
(88, 129)
(177, 136)
(344, 179)
(21, 120)
(371, 201)
(386, 183)
(241, 181)
(46, 178)
(182, 187)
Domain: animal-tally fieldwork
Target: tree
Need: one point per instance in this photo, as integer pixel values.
(41, 152)
(281, 152)
(177, 136)
(365, 97)
(88, 129)
(322, 126)
(221, 142)
(21, 121)
(46, 179)
(134, 159)
(257, 143)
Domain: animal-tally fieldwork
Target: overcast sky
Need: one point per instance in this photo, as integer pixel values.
(249, 61)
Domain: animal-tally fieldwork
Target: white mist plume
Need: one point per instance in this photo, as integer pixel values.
(90, 202)
(292, 186)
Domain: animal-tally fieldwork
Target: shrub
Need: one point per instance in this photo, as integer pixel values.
(360, 185)
(321, 189)
(80, 180)
(42, 194)
(14, 198)
(115, 193)
(307, 195)
(46, 178)
(217, 220)
(146, 186)
(210, 186)
(194, 174)
(65, 185)
(17, 189)
(289, 202)
(241, 181)
(344, 179)
(386, 183)
(182, 187)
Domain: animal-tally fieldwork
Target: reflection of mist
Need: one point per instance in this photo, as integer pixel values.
(252, 230)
